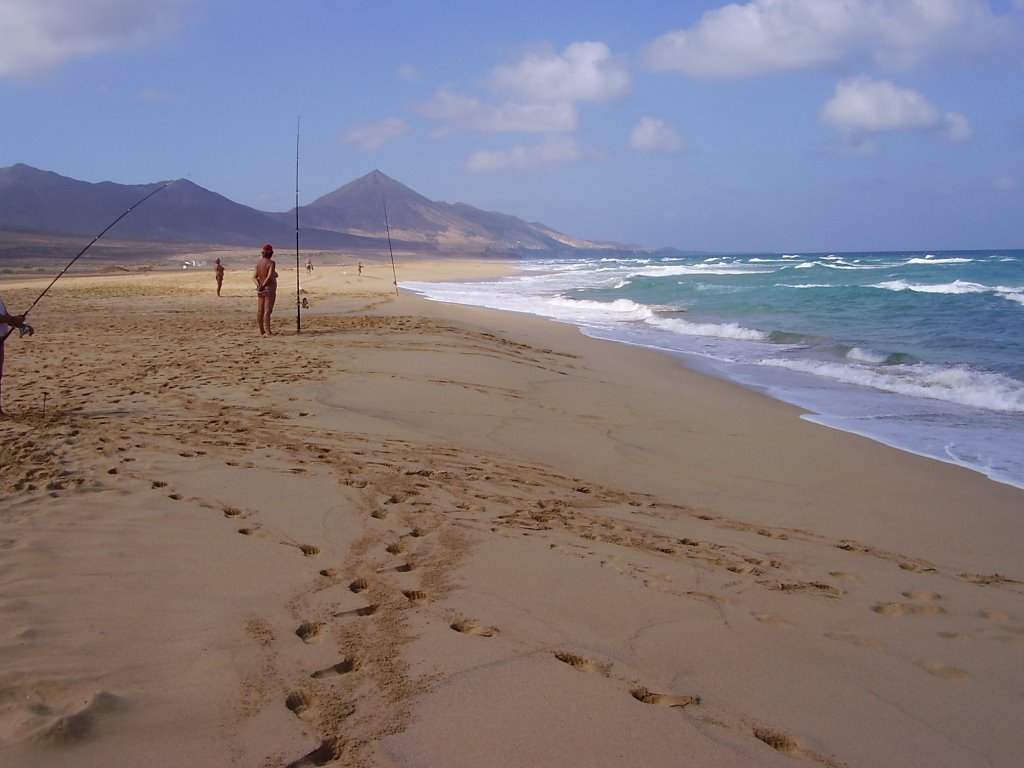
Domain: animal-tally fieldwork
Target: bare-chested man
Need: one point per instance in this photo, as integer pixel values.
(6, 320)
(265, 277)
(218, 273)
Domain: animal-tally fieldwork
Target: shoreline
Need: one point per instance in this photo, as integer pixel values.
(416, 532)
(842, 406)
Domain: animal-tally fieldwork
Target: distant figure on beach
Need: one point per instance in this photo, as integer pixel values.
(309, 265)
(218, 272)
(6, 322)
(360, 269)
(265, 277)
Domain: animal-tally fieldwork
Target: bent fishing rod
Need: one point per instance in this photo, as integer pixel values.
(81, 253)
(388, 228)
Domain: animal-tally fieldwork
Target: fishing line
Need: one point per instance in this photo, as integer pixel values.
(82, 252)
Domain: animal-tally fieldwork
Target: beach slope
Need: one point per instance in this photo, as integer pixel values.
(417, 534)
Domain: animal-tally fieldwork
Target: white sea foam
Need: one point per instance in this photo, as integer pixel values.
(932, 260)
(698, 269)
(584, 309)
(954, 288)
(860, 355)
(955, 384)
(717, 330)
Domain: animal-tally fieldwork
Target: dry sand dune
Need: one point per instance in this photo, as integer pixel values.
(423, 535)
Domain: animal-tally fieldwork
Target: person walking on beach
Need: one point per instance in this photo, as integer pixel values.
(309, 265)
(265, 277)
(6, 322)
(218, 272)
(360, 269)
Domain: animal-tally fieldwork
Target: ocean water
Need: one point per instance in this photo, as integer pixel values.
(923, 351)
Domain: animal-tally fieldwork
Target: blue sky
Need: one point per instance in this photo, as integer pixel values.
(768, 125)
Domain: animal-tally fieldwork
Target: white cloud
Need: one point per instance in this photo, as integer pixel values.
(553, 152)
(545, 89)
(456, 111)
(863, 106)
(651, 134)
(766, 36)
(374, 135)
(585, 71)
(409, 73)
(37, 36)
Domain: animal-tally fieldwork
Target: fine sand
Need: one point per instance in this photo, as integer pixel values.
(425, 535)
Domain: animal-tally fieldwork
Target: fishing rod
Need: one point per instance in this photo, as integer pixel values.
(388, 228)
(82, 252)
(298, 298)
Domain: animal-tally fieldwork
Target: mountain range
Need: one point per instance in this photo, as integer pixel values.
(352, 217)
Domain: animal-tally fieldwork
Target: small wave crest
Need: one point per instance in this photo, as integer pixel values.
(932, 260)
(956, 288)
(717, 330)
(954, 384)
(620, 309)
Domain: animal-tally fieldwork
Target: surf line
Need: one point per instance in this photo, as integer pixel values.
(81, 253)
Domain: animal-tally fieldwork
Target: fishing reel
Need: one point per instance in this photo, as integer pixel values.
(26, 330)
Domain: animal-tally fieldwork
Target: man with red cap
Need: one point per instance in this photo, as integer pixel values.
(265, 277)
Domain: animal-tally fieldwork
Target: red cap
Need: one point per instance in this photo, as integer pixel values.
(268, 248)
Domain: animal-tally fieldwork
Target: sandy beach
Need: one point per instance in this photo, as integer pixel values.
(417, 534)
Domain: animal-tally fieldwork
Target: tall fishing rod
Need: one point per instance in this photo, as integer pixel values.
(90, 245)
(298, 298)
(388, 228)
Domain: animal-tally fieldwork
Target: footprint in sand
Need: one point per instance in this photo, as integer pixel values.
(921, 595)
(395, 549)
(303, 704)
(343, 667)
(469, 628)
(359, 585)
(662, 699)
(330, 750)
(366, 610)
(415, 596)
(232, 512)
(995, 615)
(942, 670)
(775, 621)
(906, 609)
(309, 631)
(581, 662)
(781, 742)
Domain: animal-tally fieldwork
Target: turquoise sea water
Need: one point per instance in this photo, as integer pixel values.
(923, 351)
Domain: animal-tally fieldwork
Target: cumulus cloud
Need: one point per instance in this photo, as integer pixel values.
(585, 71)
(456, 111)
(651, 134)
(374, 135)
(37, 36)
(767, 36)
(862, 106)
(536, 94)
(555, 151)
